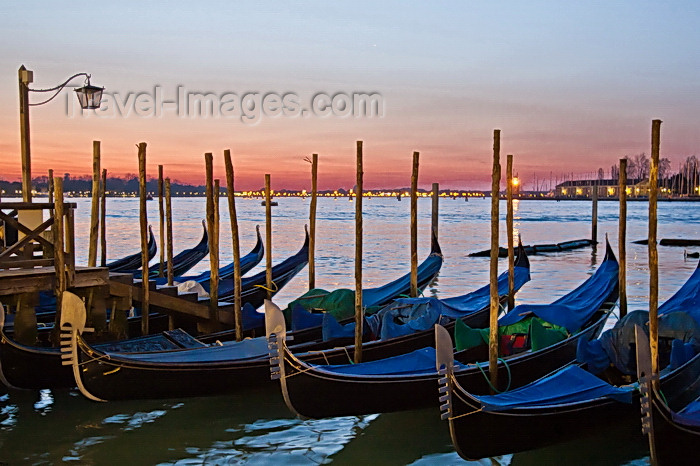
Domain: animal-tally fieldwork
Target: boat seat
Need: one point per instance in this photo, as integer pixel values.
(183, 339)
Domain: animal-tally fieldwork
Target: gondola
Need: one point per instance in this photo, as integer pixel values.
(320, 306)
(45, 311)
(29, 367)
(184, 260)
(408, 381)
(675, 431)
(248, 262)
(672, 425)
(567, 403)
(133, 262)
(23, 366)
(253, 293)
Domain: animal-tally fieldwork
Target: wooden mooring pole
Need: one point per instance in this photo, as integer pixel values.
(653, 253)
(594, 214)
(51, 186)
(103, 219)
(359, 310)
(622, 237)
(95, 205)
(169, 231)
(161, 218)
(143, 219)
(509, 231)
(494, 302)
(59, 249)
(312, 221)
(268, 237)
(237, 318)
(435, 216)
(214, 256)
(211, 229)
(414, 227)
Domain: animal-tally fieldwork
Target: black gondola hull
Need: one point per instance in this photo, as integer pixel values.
(479, 434)
(334, 394)
(120, 379)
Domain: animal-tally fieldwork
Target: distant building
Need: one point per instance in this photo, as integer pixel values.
(606, 188)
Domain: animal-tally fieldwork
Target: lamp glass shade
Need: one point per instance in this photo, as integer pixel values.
(89, 96)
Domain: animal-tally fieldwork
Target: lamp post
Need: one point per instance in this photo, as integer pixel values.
(89, 97)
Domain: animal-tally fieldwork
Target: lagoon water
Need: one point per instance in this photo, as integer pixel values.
(54, 426)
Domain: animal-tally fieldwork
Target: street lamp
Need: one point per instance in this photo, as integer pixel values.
(89, 97)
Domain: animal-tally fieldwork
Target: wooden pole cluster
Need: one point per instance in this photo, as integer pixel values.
(509, 231)
(622, 237)
(268, 237)
(312, 221)
(95, 205)
(494, 302)
(414, 227)
(653, 253)
(103, 219)
(161, 218)
(236, 245)
(143, 218)
(359, 311)
(435, 217)
(169, 231)
(211, 228)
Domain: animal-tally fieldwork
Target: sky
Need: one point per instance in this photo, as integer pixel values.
(573, 86)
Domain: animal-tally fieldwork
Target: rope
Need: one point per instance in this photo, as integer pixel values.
(104, 356)
(268, 289)
(505, 363)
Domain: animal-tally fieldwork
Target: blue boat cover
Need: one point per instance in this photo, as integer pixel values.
(384, 294)
(421, 361)
(686, 299)
(410, 315)
(341, 302)
(247, 262)
(405, 316)
(569, 385)
(250, 318)
(281, 274)
(575, 308)
(301, 318)
(690, 415)
(679, 320)
(250, 348)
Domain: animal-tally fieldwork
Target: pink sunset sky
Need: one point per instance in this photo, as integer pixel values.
(572, 86)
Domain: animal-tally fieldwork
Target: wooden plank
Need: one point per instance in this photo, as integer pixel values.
(34, 205)
(171, 304)
(22, 263)
(44, 278)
